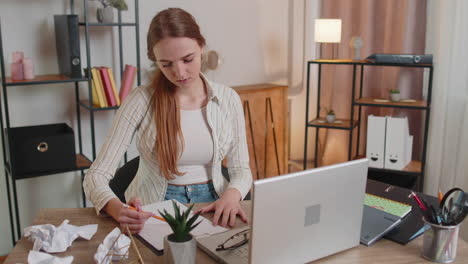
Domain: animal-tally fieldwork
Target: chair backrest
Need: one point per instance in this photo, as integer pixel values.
(123, 177)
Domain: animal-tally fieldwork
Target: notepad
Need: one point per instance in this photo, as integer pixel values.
(154, 231)
(386, 205)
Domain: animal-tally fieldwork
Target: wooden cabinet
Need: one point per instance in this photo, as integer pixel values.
(266, 122)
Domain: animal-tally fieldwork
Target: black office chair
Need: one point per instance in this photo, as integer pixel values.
(123, 177)
(125, 174)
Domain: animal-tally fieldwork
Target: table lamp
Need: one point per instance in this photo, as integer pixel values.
(327, 31)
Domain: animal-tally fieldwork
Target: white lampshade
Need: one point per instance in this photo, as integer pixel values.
(328, 30)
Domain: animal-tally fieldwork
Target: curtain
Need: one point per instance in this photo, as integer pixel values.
(385, 26)
(447, 160)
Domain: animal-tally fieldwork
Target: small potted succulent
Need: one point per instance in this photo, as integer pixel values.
(105, 14)
(330, 115)
(395, 95)
(180, 246)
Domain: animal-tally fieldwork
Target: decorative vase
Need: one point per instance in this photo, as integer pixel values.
(330, 118)
(179, 252)
(105, 14)
(395, 97)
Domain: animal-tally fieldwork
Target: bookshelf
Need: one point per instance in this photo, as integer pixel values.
(83, 160)
(416, 168)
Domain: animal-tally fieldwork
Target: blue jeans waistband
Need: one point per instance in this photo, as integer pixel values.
(194, 193)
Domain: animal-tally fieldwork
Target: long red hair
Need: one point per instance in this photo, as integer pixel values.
(172, 22)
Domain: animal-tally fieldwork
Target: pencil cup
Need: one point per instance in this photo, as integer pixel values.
(440, 242)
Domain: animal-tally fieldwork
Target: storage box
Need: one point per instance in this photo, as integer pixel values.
(39, 150)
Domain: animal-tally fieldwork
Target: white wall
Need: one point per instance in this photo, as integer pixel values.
(447, 148)
(302, 48)
(251, 36)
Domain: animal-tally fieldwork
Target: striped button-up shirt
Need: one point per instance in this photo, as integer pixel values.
(135, 118)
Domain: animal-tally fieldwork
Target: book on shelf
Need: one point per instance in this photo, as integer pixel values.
(93, 90)
(98, 85)
(96, 102)
(104, 88)
(107, 86)
(127, 81)
(114, 87)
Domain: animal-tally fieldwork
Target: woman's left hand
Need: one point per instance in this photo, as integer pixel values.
(226, 209)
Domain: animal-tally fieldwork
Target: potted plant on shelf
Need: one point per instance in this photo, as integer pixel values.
(180, 246)
(329, 115)
(395, 95)
(105, 14)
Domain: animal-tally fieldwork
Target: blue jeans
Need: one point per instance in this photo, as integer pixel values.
(195, 193)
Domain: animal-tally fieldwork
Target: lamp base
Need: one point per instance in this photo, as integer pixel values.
(334, 51)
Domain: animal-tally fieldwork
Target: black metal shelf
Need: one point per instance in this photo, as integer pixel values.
(85, 104)
(44, 79)
(342, 124)
(421, 105)
(82, 163)
(92, 24)
(399, 172)
(415, 168)
(369, 63)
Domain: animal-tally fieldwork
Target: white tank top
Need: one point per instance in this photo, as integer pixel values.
(197, 157)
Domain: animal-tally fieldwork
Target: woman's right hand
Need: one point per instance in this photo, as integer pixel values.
(126, 216)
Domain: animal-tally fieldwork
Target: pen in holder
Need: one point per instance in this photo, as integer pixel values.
(440, 242)
(442, 224)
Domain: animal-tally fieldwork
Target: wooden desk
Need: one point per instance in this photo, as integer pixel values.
(383, 251)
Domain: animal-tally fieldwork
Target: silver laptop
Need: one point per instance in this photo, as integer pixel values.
(298, 217)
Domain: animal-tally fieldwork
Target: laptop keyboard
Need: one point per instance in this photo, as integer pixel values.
(242, 253)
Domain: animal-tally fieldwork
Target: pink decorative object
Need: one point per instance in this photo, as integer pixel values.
(127, 81)
(28, 69)
(18, 56)
(17, 71)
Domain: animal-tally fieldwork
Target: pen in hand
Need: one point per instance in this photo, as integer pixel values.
(134, 209)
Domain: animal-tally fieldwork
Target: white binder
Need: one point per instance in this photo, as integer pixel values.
(409, 149)
(398, 143)
(375, 147)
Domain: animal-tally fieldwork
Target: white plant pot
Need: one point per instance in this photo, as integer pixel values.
(105, 14)
(395, 97)
(179, 252)
(330, 118)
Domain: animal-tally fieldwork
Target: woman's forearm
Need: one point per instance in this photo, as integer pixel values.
(113, 207)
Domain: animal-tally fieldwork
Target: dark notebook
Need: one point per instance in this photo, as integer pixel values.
(411, 226)
(67, 41)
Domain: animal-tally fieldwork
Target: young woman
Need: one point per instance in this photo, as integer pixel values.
(185, 125)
